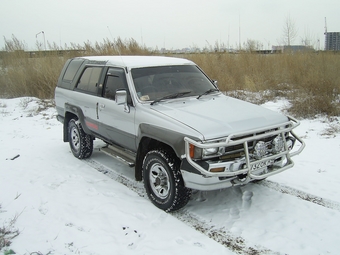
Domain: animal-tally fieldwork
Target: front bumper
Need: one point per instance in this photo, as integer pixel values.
(198, 174)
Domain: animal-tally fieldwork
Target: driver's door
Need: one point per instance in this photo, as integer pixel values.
(118, 124)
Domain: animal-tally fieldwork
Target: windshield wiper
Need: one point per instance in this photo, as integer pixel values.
(171, 96)
(207, 92)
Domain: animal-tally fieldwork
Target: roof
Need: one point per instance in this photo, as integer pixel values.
(139, 61)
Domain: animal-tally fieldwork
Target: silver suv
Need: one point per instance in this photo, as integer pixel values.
(166, 118)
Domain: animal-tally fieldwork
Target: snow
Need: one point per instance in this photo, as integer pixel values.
(66, 206)
(140, 61)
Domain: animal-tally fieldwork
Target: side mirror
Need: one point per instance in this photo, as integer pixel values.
(216, 84)
(121, 99)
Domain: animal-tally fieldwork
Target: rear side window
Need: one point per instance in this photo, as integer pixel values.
(72, 69)
(89, 79)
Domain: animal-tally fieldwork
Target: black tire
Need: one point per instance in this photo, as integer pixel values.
(163, 181)
(81, 144)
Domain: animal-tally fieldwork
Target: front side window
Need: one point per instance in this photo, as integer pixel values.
(152, 83)
(89, 79)
(115, 80)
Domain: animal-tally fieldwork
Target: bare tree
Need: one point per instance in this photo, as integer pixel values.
(309, 40)
(252, 45)
(289, 31)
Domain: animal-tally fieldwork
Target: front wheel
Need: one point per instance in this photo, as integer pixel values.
(163, 181)
(81, 144)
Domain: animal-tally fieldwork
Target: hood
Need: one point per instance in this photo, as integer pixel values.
(218, 116)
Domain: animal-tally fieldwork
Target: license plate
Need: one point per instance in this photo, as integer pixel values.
(262, 164)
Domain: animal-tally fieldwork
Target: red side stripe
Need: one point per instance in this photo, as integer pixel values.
(91, 125)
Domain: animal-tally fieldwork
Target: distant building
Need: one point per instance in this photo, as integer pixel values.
(291, 48)
(332, 41)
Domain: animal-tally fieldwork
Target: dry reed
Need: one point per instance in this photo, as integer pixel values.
(309, 80)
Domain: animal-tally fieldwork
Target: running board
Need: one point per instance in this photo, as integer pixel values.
(117, 153)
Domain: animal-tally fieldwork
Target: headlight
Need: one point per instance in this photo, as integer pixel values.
(213, 152)
(199, 153)
(210, 151)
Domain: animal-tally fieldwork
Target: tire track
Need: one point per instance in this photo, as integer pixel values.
(131, 184)
(236, 244)
(300, 194)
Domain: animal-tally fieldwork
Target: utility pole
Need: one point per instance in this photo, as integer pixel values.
(42, 32)
(239, 31)
(326, 40)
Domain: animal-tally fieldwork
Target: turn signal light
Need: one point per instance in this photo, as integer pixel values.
(217, 170)
(192, 150)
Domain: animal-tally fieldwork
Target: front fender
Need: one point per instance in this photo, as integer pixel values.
(167, 136)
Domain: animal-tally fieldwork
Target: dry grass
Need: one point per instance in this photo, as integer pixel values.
(36, 75)
(8, 232)
(309, 80)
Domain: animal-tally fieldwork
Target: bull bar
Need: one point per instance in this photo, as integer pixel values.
(280, 129)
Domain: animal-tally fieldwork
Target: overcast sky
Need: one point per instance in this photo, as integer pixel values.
(170, 24)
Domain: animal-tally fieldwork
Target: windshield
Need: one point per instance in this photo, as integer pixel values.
(152, 83)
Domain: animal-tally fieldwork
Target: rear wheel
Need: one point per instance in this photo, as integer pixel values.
(163, 181)
(81, 144)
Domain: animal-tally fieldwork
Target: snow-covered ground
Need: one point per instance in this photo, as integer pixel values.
(66, 206)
